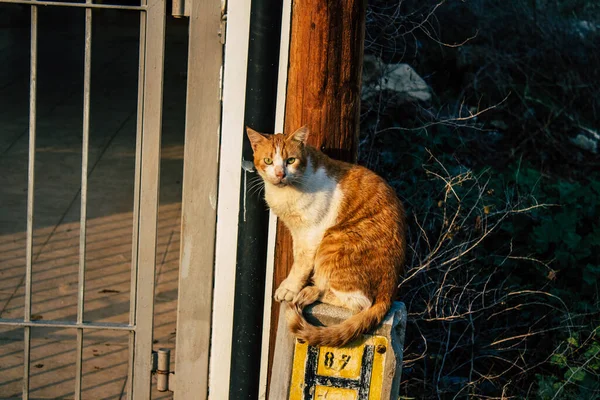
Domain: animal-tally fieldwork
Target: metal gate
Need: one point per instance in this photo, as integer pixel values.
(149, 115)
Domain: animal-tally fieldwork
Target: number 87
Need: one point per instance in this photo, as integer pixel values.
(329, 357)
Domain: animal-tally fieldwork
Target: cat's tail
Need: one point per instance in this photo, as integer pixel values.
(340, 334)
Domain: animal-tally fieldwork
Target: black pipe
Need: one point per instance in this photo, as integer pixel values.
(261, 97)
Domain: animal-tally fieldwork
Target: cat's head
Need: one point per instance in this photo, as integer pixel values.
(279, 159)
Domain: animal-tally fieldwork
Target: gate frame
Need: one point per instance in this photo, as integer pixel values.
(148, 146)
(145, 204)
(199, 198)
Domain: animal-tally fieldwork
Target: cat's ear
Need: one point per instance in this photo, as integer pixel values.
(301, 135)
(255, 137)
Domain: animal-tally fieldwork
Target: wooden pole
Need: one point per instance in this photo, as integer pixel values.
(323, 92)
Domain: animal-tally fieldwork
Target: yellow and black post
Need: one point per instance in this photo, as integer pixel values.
(367, 369)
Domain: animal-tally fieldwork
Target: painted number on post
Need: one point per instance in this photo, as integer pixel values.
(351, 372)
(330, 358)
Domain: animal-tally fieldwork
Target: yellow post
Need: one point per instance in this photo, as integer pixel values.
(366, 369)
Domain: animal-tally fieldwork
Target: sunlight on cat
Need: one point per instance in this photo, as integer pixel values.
(348, 231)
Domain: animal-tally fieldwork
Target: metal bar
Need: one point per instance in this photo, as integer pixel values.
(129, 388)
(149, 189)
(84, 190)
(66, 324)
(138, 167)
(84, 163)
(30, 198)
(26, 361)
(78, 364)
(78, 5)
(31, 166)
(136, 200)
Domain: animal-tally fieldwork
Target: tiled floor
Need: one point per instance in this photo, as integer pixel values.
(57, 196)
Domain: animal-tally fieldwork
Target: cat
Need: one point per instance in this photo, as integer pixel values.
(348, 231)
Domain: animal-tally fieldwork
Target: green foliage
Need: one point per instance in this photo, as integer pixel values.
(566, 234)
(578, 368)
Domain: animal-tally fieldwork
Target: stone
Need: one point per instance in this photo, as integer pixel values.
(401, 79)
(370, 366)
(586, 28)
(587, 139)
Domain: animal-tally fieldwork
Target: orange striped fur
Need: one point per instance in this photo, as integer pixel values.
(348, 230)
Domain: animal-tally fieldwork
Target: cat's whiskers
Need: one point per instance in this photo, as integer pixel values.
(257, 190)
(256, 185)
(255, 179)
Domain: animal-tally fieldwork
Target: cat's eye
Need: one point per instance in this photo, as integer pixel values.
(291, 160)
(268, 161)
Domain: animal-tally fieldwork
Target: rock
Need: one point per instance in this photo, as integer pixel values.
(401, 79)
(586, 28)
(587, 139)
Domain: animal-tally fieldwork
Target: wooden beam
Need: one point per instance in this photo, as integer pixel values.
(323, 92)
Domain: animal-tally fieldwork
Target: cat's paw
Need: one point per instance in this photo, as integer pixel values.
(283, 294)
(307, 296)
(287, 291)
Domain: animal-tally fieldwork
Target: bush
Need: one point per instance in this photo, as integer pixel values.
(502, 280)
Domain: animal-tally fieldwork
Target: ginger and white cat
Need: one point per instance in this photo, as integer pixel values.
(348, 231)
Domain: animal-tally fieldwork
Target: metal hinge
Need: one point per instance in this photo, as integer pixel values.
(223, 28)
(181, 8)
(161, 366)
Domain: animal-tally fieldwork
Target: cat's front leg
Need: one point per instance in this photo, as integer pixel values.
(299, 275)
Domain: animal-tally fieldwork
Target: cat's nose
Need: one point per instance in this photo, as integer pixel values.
(280, 173)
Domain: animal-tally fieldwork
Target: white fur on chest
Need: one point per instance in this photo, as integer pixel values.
(309, 209)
